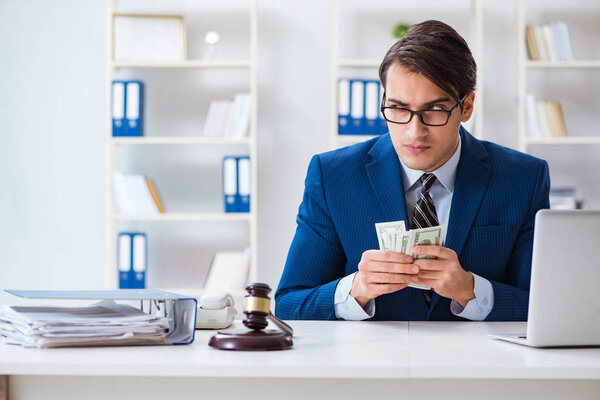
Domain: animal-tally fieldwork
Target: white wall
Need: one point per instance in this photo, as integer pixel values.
(52, 108)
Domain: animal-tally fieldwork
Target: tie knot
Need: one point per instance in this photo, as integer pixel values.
(427, 180)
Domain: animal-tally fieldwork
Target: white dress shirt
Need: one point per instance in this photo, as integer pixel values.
(346, 307)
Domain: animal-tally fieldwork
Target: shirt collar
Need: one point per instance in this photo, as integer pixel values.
(446, 174)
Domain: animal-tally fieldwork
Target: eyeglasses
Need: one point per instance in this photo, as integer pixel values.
(401, 115)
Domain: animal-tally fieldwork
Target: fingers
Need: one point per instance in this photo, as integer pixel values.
(387, 278)
(386, 256)
(433, 250)
(386, 262)
(380, 289)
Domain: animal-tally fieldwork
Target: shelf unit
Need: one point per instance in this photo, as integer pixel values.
(523, 67)
(133, 144)
(339, 62)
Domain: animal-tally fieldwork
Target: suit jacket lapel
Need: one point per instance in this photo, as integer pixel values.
(472, 177)
(385, 176)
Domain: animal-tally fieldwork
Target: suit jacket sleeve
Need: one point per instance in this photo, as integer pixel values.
(315, 261)
(511, 299)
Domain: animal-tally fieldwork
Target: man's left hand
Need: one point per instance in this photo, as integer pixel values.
(444, 274)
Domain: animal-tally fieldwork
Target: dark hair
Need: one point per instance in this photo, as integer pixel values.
(435, 50)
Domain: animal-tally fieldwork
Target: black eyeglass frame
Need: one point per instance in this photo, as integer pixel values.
(418, 113)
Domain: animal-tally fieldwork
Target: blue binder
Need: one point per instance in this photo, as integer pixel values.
(139, 252)
(383, 128)
(125, 260)
(357, 107)
(371, 122)
(344, 127)
(118, 108)
(230, 184)
(244, 175)
(133, 108)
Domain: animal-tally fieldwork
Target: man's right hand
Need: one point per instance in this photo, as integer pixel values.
(381, 272)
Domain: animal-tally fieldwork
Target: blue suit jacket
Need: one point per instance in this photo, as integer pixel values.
(496, 195)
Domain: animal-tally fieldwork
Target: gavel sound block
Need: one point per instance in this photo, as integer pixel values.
(258, 314)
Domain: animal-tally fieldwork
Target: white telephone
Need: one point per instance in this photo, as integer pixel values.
(215, 311)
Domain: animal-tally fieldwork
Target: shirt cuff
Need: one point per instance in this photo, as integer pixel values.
(346, 307)
(477, 309)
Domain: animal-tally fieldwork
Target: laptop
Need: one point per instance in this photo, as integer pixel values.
(564, 306)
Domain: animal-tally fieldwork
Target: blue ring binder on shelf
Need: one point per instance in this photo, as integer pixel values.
(178, 309)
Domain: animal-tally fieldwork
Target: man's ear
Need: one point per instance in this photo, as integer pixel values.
(468, 107)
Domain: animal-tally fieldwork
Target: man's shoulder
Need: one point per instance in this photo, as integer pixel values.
(506, 157)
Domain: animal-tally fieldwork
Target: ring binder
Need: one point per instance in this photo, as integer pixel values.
(178, 309)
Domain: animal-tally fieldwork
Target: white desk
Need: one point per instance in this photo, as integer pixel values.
(450, 360)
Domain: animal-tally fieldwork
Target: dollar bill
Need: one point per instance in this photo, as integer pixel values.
(393, 236)
(387, 232)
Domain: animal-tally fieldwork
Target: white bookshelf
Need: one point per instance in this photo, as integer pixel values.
(370, 65)
(186, 217)
(187, 64)
(115, 146)
(179, 140)
(525, 66)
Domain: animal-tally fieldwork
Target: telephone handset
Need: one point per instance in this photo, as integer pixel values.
(215, 311)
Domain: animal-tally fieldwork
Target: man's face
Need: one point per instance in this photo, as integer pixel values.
(422, 147)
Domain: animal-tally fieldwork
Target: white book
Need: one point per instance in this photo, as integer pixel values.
(558, 41)
(532, 117)
(224, 116)
(541, 43)
(565, 38)
(143, 202)
(550, 42)
(120, 195)
(210, 116)
(241, 116)
(132, 195)
(543, 120)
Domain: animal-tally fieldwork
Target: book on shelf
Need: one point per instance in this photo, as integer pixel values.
(359, 107)
(132, 251)
(136, 195)
(228, 118)
(237, 184)
(549, 42)
(565, 198)
(228, 271)
(127, 108)
(544, 118)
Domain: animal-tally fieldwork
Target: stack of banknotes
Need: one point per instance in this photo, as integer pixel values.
(393, 236)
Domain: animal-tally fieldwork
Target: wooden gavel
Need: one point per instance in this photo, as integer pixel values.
(257, 309)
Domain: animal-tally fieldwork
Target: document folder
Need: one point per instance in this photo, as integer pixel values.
(178, 309)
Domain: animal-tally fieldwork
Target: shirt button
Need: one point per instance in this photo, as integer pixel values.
(480, 310)
(485, 301)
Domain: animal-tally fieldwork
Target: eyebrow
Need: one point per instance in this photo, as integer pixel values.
(439, 100)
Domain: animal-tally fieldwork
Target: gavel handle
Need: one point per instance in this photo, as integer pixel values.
(282, 325)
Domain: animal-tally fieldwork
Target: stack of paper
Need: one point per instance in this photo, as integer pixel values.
(103, 324)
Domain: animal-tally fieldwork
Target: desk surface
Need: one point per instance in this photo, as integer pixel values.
(328, 349)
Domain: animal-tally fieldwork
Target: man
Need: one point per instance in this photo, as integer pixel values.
(427, 170)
